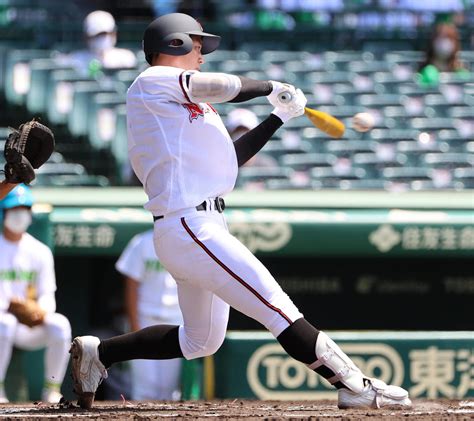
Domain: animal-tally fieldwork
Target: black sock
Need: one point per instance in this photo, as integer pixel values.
(299, 341)
(159, 342)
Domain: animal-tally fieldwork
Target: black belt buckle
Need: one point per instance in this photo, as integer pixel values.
(220, 204)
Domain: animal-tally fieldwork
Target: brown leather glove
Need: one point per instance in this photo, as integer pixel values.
(27, 312)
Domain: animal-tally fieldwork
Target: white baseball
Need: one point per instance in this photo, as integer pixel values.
(363, 122)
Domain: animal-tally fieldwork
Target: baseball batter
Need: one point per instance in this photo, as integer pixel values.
(151, 298)
(28, 318)
(186, 161)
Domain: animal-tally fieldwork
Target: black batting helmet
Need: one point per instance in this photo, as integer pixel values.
(171, 34)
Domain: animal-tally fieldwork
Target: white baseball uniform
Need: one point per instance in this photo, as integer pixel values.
(157, 304)
(183, 155)
(25, 264)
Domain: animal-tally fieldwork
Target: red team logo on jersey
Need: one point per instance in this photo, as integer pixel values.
(195, 110)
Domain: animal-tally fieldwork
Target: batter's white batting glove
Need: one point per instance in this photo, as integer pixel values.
(288, 101)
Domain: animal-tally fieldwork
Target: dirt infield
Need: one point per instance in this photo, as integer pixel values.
(236, 409)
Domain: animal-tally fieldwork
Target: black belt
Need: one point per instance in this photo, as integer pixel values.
(219, 206)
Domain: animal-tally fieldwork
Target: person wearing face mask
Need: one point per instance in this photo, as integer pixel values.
(441, 55)
(27, 273)
(100, 33)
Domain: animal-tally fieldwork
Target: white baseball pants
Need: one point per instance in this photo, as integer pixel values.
(54, 335)
(214, 270)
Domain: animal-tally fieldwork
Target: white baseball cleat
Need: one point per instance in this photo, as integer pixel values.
(376, 394)
(51, 396)
(87, 370)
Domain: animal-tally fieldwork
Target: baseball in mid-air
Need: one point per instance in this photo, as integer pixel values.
(363, 122)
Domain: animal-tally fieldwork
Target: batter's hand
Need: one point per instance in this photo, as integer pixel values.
(288, 101)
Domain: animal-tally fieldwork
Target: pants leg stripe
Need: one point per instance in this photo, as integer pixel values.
(234, 275)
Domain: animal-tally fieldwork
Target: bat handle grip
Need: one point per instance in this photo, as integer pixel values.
(285, 97)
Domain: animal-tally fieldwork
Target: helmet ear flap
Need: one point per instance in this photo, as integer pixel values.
(177, 44)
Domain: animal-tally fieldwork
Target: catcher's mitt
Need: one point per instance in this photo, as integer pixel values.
(27, 312)
(27, 148)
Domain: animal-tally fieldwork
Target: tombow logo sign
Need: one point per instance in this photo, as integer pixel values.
(272, 374)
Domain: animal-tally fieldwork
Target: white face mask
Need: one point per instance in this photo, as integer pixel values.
(102, 42)
(443, 47)
(18, 220)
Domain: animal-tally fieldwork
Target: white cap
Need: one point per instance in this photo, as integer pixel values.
(241, 117)
(97, 22)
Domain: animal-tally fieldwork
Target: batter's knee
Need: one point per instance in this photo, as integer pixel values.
(197, 347)
(8, 324)
(58, 326)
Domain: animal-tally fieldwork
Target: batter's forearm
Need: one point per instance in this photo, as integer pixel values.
(252, 88)
(251, 142)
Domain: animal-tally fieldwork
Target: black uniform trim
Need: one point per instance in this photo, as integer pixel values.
(251, 142)
(233, 274)
(252, 88)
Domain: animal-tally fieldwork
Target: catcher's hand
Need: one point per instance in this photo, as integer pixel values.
(27, 312)
(27, 148)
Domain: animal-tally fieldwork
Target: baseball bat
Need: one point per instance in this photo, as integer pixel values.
(323, 121)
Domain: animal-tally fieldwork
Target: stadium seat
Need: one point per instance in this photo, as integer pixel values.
(340, 60)
(102, 118)
(368, 67)
(396, 116)
(448, 160)
(17, 79)
(257, 176)
(278, 148)
(60, 88)
(466, 176)
(377, 101)
(348, 147)
(240, 67)
(374, 165)
(83, 92)
(329, 77)
(126, 77)
(431, 124)
(282, 57)
(413, 88)
(303, 162)
(285, 184)
(414, 150)
(409, 57)
(362, 184)
(330, 178)
(405, 175)
(67, 180)
(63, 168)
(453, 138)
(386, 83)
(469, 147)
(41, 71)
(119, 144)
(302, 68)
